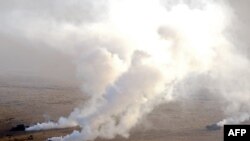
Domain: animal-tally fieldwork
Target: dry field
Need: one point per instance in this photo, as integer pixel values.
(182, 120)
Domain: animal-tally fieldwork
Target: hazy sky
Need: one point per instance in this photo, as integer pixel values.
(19, 56)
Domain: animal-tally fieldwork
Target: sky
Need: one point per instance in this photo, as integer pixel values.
(22, 57)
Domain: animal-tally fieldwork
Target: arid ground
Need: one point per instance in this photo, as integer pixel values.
(29, 103)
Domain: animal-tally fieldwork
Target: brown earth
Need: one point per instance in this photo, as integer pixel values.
(182, 120)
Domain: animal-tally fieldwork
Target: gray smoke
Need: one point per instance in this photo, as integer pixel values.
(132, 54)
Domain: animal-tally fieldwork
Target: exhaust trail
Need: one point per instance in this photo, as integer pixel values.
(132, 54)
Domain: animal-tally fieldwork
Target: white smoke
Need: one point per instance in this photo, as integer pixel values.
(131, 54)
(235, 119)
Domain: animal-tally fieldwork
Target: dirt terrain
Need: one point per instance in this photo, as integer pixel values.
(181, 120)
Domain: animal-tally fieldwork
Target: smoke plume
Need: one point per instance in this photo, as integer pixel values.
(132, 54)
